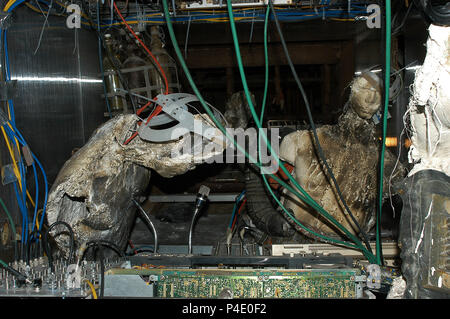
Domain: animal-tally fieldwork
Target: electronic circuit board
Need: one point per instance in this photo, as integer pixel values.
(247, 283)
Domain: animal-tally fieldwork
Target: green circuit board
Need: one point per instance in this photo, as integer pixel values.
(205, 283)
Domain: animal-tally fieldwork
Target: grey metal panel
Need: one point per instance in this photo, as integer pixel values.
(127, 286)
(58, 101)
(191, 198)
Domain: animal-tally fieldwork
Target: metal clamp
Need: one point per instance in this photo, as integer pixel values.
(175, 108)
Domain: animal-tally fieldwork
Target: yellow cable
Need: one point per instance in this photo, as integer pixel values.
(8, 5)
(16, 169)
(94, 294)
(11, 153)
(37, 218)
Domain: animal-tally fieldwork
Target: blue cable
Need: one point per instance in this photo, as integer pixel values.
(21, 140)
(17, 3)
(36, 200)
(284, 14)
(236, 203)
(8, 76)
(46, 190)
(20, 199)
(19, 202)
(24, 196)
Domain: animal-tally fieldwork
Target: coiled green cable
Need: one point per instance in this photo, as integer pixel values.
(304, 197)
(309, 200)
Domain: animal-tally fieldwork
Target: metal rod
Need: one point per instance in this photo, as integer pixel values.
(191, 229)
(147, 218)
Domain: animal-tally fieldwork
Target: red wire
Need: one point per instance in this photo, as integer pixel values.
(163, 74)
(138, 112)
(239, 212)
(155, 112)
(132, 246)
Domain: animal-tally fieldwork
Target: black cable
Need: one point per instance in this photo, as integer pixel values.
(29, 245)
(14, 272)
(149, 221)
(47, 245)
(102, 268)
(313, 127)
(105, 243)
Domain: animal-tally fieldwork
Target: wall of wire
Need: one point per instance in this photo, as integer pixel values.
(149, 15)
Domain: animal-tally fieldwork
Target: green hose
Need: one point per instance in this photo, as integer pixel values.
(266, 62)
(305, 197)
(264, 101)
(309, 200)
(383, 141)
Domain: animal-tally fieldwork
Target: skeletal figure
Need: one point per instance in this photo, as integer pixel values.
(352, 151)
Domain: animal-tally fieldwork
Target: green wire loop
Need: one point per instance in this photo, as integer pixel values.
(304, 196)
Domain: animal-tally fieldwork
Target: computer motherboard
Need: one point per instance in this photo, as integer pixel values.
(247, 283)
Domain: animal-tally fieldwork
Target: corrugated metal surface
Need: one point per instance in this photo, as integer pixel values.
(58, 102)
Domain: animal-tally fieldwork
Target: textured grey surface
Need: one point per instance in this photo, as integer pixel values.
(58, 103)
(352, 151)
(94, 190)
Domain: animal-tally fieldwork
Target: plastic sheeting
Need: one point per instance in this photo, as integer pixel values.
(429, 106)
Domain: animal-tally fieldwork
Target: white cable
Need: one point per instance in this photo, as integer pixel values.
(43, 27)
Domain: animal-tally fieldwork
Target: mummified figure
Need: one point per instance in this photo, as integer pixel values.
(95, 188)
(352, 151)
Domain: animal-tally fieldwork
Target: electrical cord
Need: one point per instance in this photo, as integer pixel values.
(154, 59)
(13, 271)
(236, 203)
(303, 195)
(91, 286)
(105, 243)
(14, 132)
(149, 221)
(383, 140)
(313, 127)
(110, 58)
(15, 135)
(47, 244)
(30, 243)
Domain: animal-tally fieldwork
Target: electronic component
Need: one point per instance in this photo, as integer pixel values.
(67, 281)
(391, 251)
(214, 4)
(247, 283)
